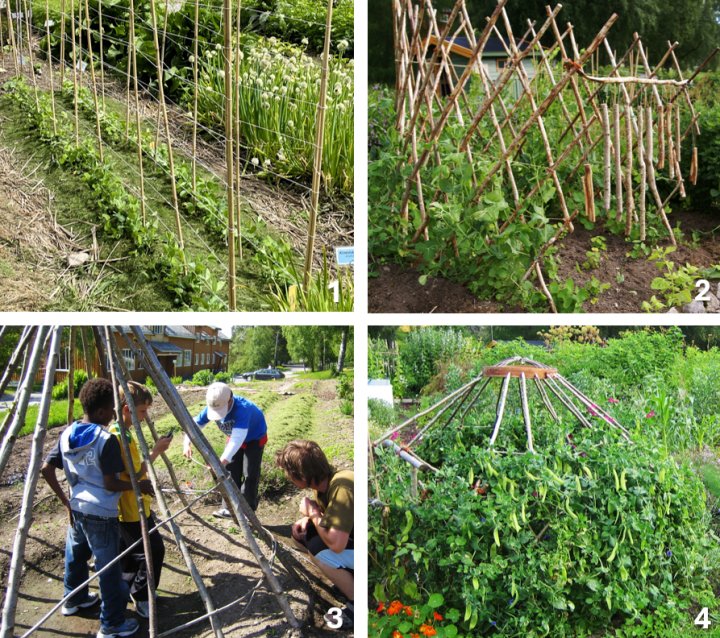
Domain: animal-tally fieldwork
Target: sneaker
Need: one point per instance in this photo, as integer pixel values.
(347, 618)
(142, 608)
(92, 600)
(223, 512)
(128, 628)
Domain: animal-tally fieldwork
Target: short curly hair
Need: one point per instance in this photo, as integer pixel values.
(96, 394)
(304, 461)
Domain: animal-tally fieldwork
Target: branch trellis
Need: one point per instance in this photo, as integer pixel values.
(629, 118)
(554, 392)
(43, 342)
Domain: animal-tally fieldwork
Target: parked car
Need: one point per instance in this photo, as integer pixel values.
(264, 374)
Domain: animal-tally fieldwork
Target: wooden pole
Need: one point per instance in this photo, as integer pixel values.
(15, 357)
(71, 377)
(50, 64)
(642, 197)
(630, 196)
(607, 160)
(31, 57)
(238, 207)
(171, 160)
(102, 54)
(162, 70)
(138, 124)
(91, 62)
(651, 176)
(232, 494)
(22, 397)
(230, 189)
(620, 209)
(11, 37)
(196, 64)
(75, 73)
(62, 43)
(319, 139)
(15, 572)
(117, 379)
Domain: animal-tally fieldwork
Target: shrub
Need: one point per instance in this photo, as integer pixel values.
(202, 377)
(381, 413)
(60, 390)
(150, 384)
(223, 376)
(176, 380)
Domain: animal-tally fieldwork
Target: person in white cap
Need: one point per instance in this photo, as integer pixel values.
(244, 424)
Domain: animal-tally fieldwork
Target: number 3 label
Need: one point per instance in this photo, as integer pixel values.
(335, 618)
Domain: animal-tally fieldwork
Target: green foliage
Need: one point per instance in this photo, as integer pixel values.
(396, 618)
(323, 294)
(202, 377)
(706, 194)
(57, 416)
(224, 377)
(561, 543)
(176, 380)
(60, 390)
(676, 285)
(381, 414)
(303, 22)
(254, 347)
(419, 356)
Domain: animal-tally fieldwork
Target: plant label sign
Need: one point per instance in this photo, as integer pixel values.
(345, 255)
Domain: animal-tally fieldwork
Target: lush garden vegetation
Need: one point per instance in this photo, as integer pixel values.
(591, 536)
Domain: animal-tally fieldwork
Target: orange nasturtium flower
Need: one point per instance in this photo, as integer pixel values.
(394, 608)
(437, 616)
(427, 630)
(397, 634)
(380, 607)
(408, 610)
(414, 635)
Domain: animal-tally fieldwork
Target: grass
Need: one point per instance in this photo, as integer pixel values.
(317, 375)
(56, 417)
(710, 475)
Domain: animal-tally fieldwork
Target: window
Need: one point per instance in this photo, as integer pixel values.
(157, 330)
(197, 358)
(202, 359)
(188, 358)
(129, 358)
(500, 64)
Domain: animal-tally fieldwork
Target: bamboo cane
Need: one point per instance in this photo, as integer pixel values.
(238, 207)
(232, 494)
(15, 357)
(670, 142)
(694, 166)
(138, 126)
(678, 153)
(33, 472)
(118, 380)
(607, 160)
(230, 187)
(2, 41)
(75, 73)
(661, 138)
(642, 197)
(651, 177)
(102, 54)
(630, 195)
(30, 52)
(196, 64)
(171, 160)
(50, 64)
(526, 411)
(11, 37)
(168, 463)
(500, 409)
(71, 378)
(543, 286)
(618, 166)
(162, 69)
(22, 397)
(62, 43)
(94, 84)
(86, 354)
(546, 401)
(319, 140)
(589, 190)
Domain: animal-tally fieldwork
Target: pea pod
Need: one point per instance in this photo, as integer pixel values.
(623, 483)
(613, 553)
(578, 487)
(617, 480)
(514, 520)
(496, 536)
(522, 512)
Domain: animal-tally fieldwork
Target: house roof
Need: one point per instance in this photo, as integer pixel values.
(165, 347)
(494, 47)
(179, 332)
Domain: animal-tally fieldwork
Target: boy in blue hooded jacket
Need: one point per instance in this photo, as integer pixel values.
(91, 459)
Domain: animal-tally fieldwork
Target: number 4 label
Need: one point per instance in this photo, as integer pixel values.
(702, 619)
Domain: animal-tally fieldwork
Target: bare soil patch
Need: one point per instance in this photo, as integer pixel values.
(397, 288)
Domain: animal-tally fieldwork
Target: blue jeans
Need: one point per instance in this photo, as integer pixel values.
(99, 536)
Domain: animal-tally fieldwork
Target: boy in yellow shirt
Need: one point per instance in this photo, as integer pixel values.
(134, 565)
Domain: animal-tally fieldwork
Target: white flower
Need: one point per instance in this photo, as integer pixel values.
(305, 41)
(266, 163)
(255, 161)
(291, 124)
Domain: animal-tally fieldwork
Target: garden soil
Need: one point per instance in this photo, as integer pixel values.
(397, 288)
(227, 565)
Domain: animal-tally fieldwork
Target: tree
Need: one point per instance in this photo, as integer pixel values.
(317, 346)
(255, 347)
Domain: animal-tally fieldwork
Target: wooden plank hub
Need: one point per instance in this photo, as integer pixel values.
(531, 372)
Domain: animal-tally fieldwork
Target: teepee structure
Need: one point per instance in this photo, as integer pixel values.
(43, 342)
(554, 392)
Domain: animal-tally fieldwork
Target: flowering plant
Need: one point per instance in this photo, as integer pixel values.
(397, 620)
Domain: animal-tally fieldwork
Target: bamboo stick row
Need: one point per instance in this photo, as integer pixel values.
(622, 114)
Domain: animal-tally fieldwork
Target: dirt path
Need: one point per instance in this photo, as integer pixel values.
(228, 567)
